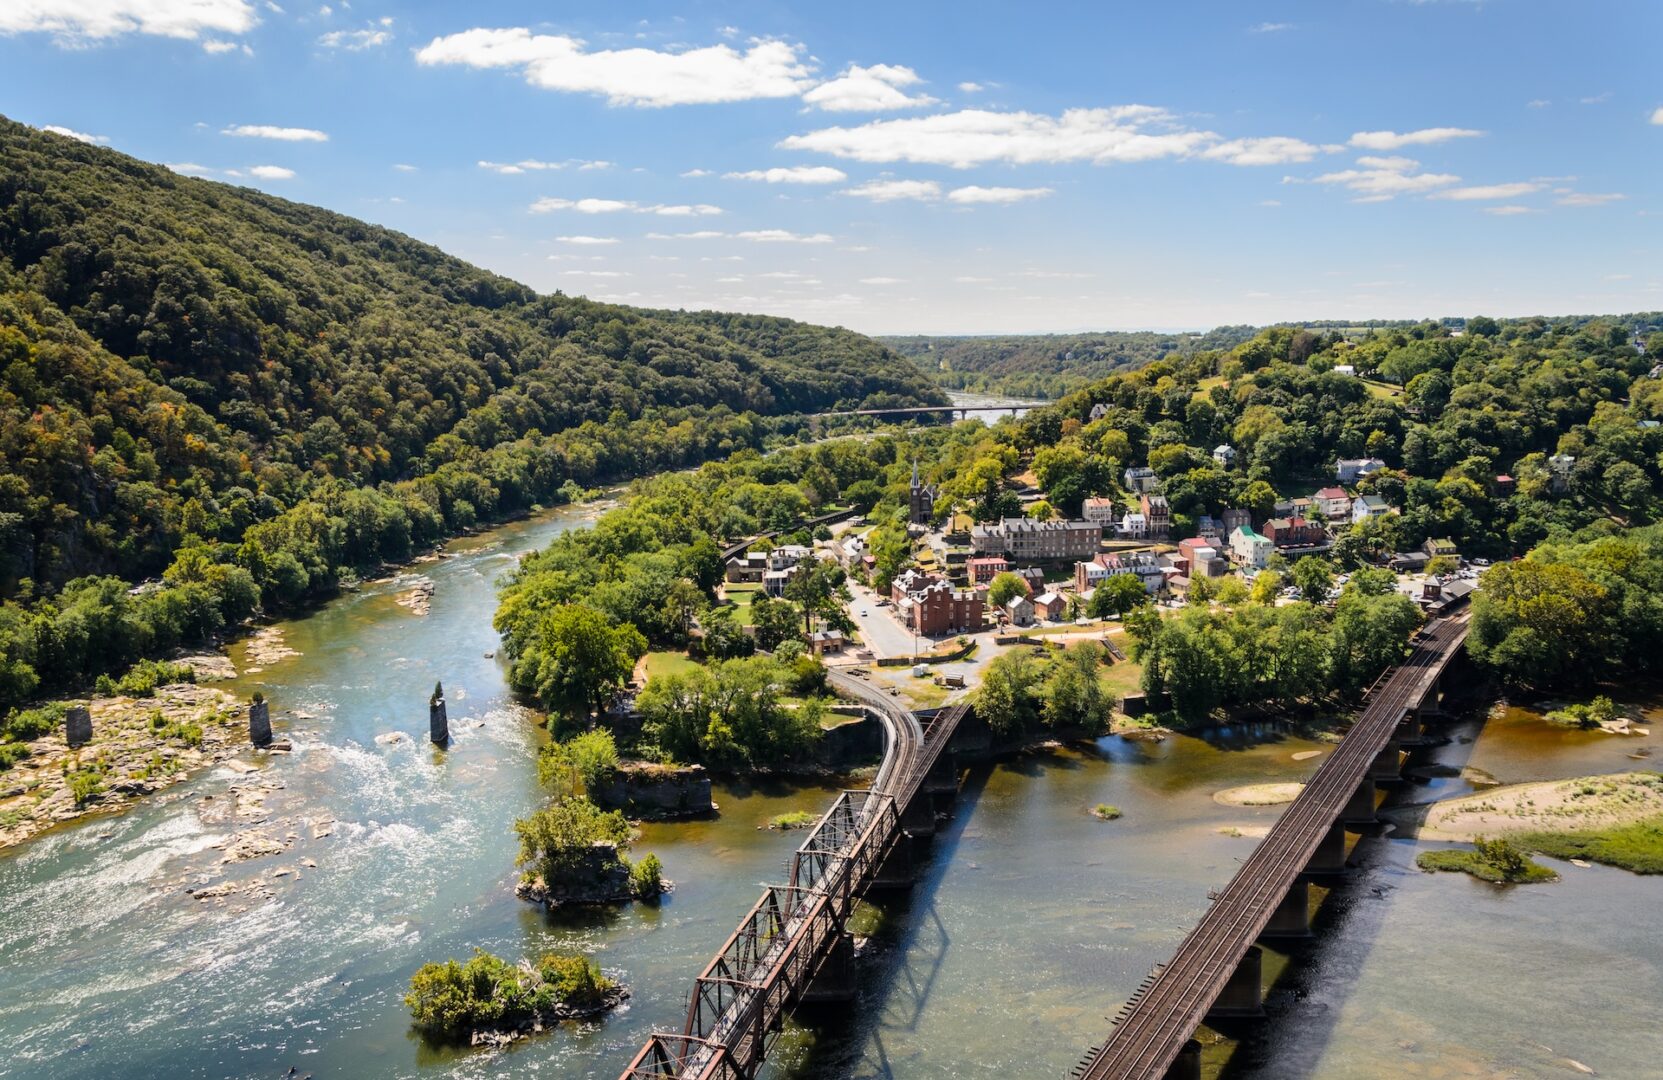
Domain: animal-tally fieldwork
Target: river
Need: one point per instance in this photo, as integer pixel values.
(1032, 922)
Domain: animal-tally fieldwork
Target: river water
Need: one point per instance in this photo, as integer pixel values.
(1031, 923)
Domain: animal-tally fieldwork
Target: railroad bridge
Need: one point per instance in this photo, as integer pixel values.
(1215, 972)
(792, 947)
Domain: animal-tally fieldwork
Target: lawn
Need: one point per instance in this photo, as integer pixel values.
(1383, 391)
(741, 597)
(668, 663)
(1122, 678)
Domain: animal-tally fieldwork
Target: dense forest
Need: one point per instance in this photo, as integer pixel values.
(1050, 365)
(247, 397)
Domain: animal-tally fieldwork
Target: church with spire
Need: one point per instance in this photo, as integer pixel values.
(921, 500)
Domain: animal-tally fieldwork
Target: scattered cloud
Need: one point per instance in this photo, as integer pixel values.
(1489, 191)
(800, 174)
(1383, 178)
(78, 136)
(692, 173)
(683, 210)
(1537, 103)
(968, 280)
(641, 77)
(587, 241)
(971, 87)
(188, 168)
(881, 281)
(269, 131)
(1119, 133)
(783, 236)
(1657, 115)
(895, 190)
(1595, 99)
(1582, 198)
(216, 46)
(1272, 150)
(582, 206)
(354, 40)
(599, 273)
(1510, 210)
(401, 167)
(1394, 140)
(271, 172)
(517, 167)
(878, 88)
(702, 234)
(78, 21)
(973, 194)
(1270, 28)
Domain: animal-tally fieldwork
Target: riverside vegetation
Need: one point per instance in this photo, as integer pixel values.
(488, 999)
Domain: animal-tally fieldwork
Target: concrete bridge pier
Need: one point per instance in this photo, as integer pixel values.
(943, 777)
(899, 868)
(1409, 728)
(1292, 917)
(918, 819)
(1329, 857)
(1387, 765)
(835, 981)
(1360, 810)
(1187, 1066)
(1243, 997)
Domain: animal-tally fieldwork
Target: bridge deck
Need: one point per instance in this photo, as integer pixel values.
(1154, 1026)
(780, 945)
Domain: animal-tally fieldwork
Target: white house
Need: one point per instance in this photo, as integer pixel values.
(1141, 480)
(1099, 512)
(1250, 549)
(1345, 369)
(1224, 455)
(1133, 527)
(1334, 503)
(1020, 611)
(1368, 506)
(1350, 470)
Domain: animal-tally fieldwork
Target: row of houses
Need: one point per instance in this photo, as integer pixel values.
(930, 605)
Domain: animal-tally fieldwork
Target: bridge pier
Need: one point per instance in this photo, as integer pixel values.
(1292, 917)
(1329, 857)
(1360, 810)
(918, 819)
(899, 868)
(1243, 997)
(835, 981)
(1388, 764)
(943, 777)
(1187, 1066)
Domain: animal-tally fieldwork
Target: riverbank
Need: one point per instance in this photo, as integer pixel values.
(1615, 819)
(138, 746)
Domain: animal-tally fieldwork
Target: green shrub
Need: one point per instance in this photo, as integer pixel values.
(11, 754)
(1105, 811)
(85, 785)
(646, 878)
(448, 1001)
(795, 819)
(26, 724)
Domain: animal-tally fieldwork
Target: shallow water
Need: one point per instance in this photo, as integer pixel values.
(1032, 921)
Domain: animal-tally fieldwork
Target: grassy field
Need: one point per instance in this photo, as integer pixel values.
(1383, 391)
(1456, 860)
(666, 663)
(1122, 678)
(1637, 847)
(741, 595)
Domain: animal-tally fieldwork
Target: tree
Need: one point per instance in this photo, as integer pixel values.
(1074, 694)
(815, 587)
(1370, 633)
(1004, 588)
(578, 660)
(1313, 576)
(1267, 584)
(1116, 595)
(1540, 623)
(1007, 700)
(775, 621)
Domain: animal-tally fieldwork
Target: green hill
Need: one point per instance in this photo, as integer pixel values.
(248, 395)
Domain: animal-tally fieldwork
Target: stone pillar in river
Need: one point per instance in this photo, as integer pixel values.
(438, 725)
(77, 726)
(259, 722)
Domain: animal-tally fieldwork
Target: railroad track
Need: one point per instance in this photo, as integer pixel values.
(1153, 1027)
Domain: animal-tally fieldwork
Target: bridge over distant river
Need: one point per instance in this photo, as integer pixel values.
(1215, 972)
(958, 410)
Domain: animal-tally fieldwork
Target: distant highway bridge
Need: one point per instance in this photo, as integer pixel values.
(1215, 972)
(959, 411)
(792, 947)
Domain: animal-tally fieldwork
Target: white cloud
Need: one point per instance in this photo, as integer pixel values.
(1271, 150)
(354, 40)
(599, 273)
(1381, 179)
(1489, 191)
(880, 281)
(82, 20)
(782, 236)
(1538, 103)
(589, 166)
(587, 241)
(188, 168)
(1657, 115)
(1395, 140)
(799, 174)
(683, 210)
(1270, 202)
(973, 194)
(1270, 28)
(871, 89)
(518, 167)
(216, 46)
(977, 136)
(893, 190)
(78, 136)
(282, 134)
(702, 234)
(644, 77)
(401, 167)
(967, 280)
(582, 206)
(271, 172)
(971, 87)
(693, 173)
(1579, 198)
(1511, 210)
(1596, 99)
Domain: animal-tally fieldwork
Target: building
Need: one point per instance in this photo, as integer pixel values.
(1029, 540)
(775, 581)
(1141, 480)
(747, 568)
(1559, 473)
(1088, 575)
(849, 552)
(1099, 512)
(1506, 485)
(1033, 578)
(1333, 503)
(937, 608)
(787, 556)
(1050, 606)
(1159, 515)
(1351, 470)
(1436, 548)
(1249, 549)
(1345, 369)
(1211, 529)
(1099, 411)
(1234, 518)
(1019, 610)
(1365, 507)
(920, 499)
(1296, 535)
(827, 641)
(1408, 562)
(985, 568)
(1224, 455)
(1133, 527)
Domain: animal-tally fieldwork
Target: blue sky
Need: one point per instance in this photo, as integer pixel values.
(912, 167)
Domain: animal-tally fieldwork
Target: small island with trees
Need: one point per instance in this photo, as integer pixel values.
(488, 1001)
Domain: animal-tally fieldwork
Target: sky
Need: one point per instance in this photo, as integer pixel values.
(922, 167)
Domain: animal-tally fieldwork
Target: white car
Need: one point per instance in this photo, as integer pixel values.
(863, 611)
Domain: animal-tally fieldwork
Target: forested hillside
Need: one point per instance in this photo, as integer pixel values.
(1049, 365)
(248, 395)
